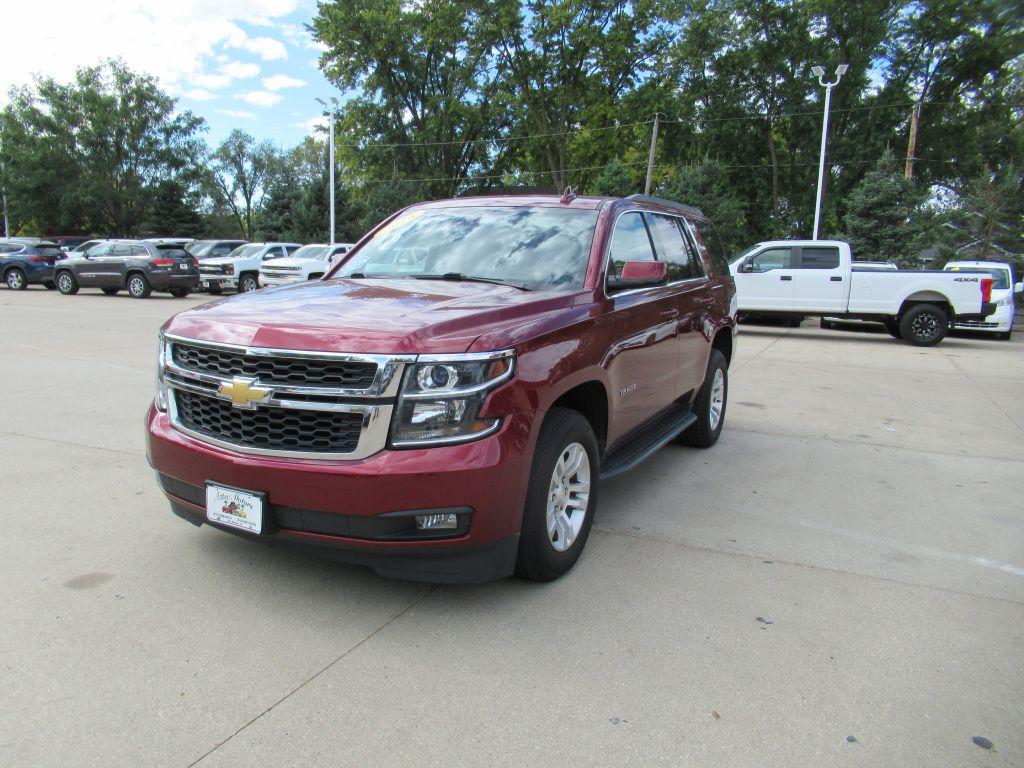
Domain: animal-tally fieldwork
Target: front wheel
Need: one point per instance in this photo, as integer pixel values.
(247, 284)
(709, 406)
(924, 325)
(67, 284)
(560, 498)
(138, 286)
(15, 279)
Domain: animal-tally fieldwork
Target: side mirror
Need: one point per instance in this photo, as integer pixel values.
(1018, 288)
(640, 274)
(746, 266)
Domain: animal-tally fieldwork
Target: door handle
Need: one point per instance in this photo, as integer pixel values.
(668, 314)
(785, 277)
(836, 278)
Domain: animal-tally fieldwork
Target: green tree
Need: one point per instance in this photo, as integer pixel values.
(173, 212)
(615, 180)
(884, 218)
(707, 186)
(90, 154)
(991, 214)
(239, 169)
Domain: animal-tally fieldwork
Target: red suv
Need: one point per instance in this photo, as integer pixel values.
(443, 404)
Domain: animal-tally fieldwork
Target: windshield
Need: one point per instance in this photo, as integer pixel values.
(1001, 276)
(246, 251)
(310, 252)
(199, 249)
(744, 253)
(539, 248)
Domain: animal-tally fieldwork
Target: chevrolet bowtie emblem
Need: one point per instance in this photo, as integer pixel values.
(244, 393)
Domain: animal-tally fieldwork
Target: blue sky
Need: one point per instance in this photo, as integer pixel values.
(246, 64)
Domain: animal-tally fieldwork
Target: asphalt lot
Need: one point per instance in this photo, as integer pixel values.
(838, 582)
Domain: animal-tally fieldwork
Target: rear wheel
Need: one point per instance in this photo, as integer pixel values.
(66, 283)
(180, 293)
(560, 498)
(138, 286)
(15, 279)
(709, 407)
(924, 325)
(111, 291)
(247, 284)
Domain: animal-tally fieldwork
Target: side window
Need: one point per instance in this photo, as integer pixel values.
(772, 258)
(4, 249)
(139, 252)
(819, 258)
(291, 249)
(121, 251)
(630, 242)
(101, 250)
(673, 248)
(711, 246)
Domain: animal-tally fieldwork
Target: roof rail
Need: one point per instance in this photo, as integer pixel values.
(652, 200)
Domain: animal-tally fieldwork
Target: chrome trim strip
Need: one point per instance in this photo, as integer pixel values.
(427, 443)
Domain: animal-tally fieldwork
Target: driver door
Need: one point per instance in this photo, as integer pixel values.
(764, 281)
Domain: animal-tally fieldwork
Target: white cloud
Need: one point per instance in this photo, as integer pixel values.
(313, 124)
(260, 98)
(199, 94)
(299, 36)
(280, 82)
(267, 48)
(240, 70)
(179, 42)
(241, 113)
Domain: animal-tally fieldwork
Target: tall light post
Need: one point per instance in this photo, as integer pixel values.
(820, 73)
(329, 111)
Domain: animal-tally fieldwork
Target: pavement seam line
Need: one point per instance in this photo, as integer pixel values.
(798, 564)
(983, 393)
(70, 443)
(757, 354)
(317, 674)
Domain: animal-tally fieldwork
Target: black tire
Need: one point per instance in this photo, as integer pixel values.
(1004, 335)
(111, 291)
(892, 327)
(538, 558)
(50, 285)
(138, 286)
(180, 293)
(924, 325)
(706, 430)
(15, 279)
(248, 283)
(66, 283)
(316, 276)
(214, 291)
(795, 322)
(823, 323)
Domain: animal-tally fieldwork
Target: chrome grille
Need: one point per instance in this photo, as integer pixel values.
(274, 429)
(276, 370)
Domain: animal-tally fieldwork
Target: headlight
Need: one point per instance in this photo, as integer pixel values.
(442, 397)
(229, 269)
(161, 384)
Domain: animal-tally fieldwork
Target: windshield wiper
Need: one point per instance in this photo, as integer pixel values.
(458, 277)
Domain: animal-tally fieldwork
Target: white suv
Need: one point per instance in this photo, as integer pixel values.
(310, 262)
(240, 269)
(1003, 289)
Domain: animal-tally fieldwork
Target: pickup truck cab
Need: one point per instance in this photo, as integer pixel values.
(816, 277)
(999, 322)
(310, 262)
(240, 269)
(445, 403)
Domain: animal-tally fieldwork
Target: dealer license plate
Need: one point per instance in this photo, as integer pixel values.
(235, 508)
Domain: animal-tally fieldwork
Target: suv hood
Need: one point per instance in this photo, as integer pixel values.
(402, 316)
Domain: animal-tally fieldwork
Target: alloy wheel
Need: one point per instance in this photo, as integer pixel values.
(15, 280)
(717, 404)
(568, 496)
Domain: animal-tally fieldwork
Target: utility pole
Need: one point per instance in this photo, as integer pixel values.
(915, 117)
(820, 72)
(330, 154)
(650, 157)
(7, 229)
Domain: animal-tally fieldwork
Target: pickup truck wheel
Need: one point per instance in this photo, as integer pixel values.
(15, 279)
(66, 283)
(560, 498)
(248, 284)
(138, 286)
(924, 325)
(893, 328)
(710, 405)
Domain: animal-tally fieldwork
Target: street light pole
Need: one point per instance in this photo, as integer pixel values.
(330, 153)
(820, 72)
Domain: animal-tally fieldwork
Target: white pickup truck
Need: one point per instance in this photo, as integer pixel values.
(815, 277)
(240, 269)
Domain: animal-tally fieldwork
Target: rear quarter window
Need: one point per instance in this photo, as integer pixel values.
(710, 247)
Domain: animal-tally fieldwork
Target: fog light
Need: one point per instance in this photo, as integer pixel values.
(437, 522)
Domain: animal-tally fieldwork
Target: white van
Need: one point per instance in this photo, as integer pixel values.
(1003, 290)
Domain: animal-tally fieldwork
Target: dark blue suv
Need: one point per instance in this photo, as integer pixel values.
(27, 260)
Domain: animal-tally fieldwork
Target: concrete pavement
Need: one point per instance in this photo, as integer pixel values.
(839, 581)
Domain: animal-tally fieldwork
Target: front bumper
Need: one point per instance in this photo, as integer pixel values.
(218, 281)
(316, 502)
(999, 321)
(267, 281)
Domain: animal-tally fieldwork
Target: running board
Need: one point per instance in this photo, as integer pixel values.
(647, 441)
